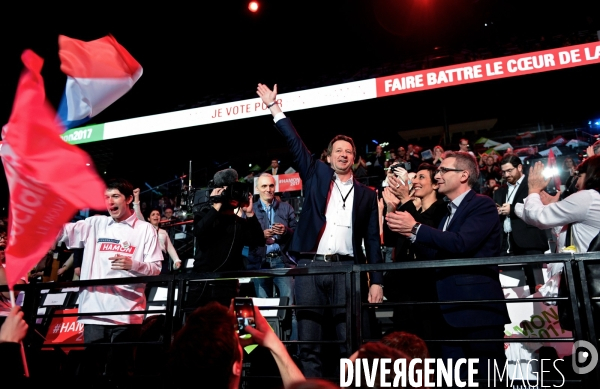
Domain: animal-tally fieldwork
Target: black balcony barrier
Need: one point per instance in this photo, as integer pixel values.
(583, 300)
(573, 301)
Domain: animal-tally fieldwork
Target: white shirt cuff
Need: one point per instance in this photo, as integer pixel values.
(278, 117)
(519, 209)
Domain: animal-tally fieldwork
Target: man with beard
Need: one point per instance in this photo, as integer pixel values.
(519, 238)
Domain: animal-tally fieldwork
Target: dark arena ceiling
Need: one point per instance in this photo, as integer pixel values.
(216, 52)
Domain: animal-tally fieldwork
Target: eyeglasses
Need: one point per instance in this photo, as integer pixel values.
(463, 144)
(508, 171)
(3, 237)
(444, 170)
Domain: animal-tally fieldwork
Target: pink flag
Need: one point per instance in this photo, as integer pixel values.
(49, 180)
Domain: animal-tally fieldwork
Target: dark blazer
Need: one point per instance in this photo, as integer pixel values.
(316, 178)
(473, 232)
(431, 217)
(285, 214)
(527, 237)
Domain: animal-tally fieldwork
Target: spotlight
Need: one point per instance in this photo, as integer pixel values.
(253, 6)
(594, 125)
(550, 172)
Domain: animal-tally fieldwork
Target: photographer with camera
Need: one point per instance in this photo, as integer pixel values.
(222, 228)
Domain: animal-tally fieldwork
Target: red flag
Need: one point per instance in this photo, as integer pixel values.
(526, 151)
(49, 180)
(557, 141)
(524, 135)
(552, 166)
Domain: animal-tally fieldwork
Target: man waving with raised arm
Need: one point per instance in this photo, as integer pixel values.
(338, 213)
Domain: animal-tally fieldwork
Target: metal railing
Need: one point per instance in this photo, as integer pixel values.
(576, 270)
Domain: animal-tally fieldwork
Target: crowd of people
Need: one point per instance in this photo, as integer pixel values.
(443, 206)
(371, 169)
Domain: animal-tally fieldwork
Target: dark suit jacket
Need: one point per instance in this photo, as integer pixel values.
(285, 214)
(317, 177)
(473, 232)
(432, 217)
(527, 237)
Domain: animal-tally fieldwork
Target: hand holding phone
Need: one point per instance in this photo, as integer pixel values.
(278, 228)
(244, 313)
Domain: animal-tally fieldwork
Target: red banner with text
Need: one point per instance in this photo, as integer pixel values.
(65, 330)
(491, 69)
(284, 183)
(289, 182)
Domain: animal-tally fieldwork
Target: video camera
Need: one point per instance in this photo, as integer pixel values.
(202, 199)
(237, 191)
(234, 191)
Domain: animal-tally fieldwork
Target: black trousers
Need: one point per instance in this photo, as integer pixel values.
(488, 353)
(533, 271)
(106, 361)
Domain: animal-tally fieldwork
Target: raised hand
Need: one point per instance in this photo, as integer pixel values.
(14, 328)
(248, 210)
(546, 198)
(536, 180)
(267, 95)
(392, 201)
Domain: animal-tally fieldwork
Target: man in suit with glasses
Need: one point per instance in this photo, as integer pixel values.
(471, 229)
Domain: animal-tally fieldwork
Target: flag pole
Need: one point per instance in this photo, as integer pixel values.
(190, 177)
(23, 357)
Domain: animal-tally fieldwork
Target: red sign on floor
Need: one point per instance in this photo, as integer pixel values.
(65, 329)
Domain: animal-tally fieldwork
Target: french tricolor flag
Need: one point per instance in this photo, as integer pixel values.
(98, 73)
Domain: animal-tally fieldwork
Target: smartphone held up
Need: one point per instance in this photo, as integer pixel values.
(244, 314)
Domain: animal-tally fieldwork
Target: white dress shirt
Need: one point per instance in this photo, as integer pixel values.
(582, 208)
(510, 196)
(337, 237)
